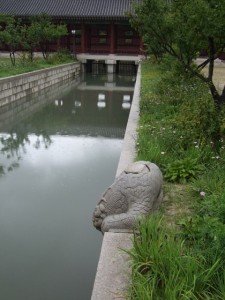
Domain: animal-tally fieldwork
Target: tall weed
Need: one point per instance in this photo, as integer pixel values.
(181, 131)
(164, 267)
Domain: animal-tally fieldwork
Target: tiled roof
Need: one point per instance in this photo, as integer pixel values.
(67, 8)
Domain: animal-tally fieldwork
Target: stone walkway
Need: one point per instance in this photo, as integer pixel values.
(114, 273)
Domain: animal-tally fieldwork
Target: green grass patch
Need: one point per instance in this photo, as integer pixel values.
(24, 65)
(182, 255)
(165, 267)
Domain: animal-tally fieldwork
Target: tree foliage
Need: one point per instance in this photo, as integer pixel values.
(46, 32)
(183, 29)
(30, 38)
(10, 35)
(37, 34)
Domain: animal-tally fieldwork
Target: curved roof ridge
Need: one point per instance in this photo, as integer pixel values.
(67, 8)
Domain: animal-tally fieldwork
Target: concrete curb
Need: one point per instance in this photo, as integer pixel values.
(128, 152)
(113, 272)
(113, 276)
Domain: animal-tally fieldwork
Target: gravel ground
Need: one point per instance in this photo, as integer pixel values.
(219, 72)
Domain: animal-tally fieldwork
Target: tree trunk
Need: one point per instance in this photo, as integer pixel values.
(12, 58)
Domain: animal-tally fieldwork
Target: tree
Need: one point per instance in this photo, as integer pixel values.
(47, 32)
(39, 33)
(10, 34)
(183, 29)
(30, 38)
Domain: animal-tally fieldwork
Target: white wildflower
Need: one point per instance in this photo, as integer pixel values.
(202, 194)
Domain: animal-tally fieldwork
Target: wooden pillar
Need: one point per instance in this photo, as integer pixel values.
(58, 44)
(83, 39)
(68, 42)
(112, 38)
(142, 48)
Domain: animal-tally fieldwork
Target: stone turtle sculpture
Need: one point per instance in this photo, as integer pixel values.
(137, 191)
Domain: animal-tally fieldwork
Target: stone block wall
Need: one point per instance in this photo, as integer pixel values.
(16, 111)
(16, 87)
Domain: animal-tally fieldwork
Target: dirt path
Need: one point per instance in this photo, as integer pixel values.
(219, 74)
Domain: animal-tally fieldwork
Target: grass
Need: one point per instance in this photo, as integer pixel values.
(165, 268)
(23, 65)
(182, 254)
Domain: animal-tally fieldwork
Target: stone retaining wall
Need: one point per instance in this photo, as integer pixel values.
(16, 87)
(113, 276)
(16, 111)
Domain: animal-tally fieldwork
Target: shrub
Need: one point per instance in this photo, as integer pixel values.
(60, 56)
(182, 170)
(197, 119)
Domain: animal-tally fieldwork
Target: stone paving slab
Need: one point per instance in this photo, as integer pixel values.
(128, 152)
(113, 272)
(113, 277)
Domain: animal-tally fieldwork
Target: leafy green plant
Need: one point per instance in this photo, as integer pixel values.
(197, 116)
(205, 235)
(182, 170)
(60, 56)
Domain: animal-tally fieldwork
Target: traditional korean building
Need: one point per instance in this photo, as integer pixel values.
(101, 26)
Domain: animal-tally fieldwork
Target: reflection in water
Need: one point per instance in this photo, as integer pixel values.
(58, 152)
(13, 146)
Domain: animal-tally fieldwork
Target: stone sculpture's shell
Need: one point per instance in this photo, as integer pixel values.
(136, 192)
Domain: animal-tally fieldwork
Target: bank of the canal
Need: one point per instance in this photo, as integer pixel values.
(113, 276)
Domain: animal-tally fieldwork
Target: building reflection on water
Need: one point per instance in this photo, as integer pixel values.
(93, 106)
(59, 150)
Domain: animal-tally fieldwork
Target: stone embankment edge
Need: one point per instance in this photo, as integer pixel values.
(113, 276)
(14, 88)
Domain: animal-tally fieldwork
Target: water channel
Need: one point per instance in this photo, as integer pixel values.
(59, 151)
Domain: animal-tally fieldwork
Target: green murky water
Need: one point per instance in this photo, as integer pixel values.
(59, 150)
